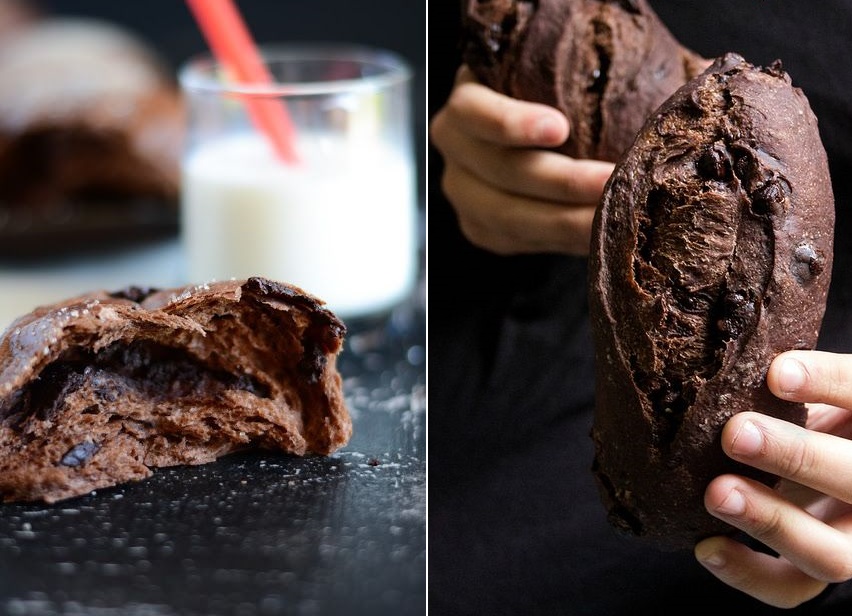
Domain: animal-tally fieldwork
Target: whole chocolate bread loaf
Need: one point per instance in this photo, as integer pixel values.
(99, 389)
(606, 64)
(711, 254)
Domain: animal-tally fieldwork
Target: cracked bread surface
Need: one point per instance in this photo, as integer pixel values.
(606, 64)
(712, 253)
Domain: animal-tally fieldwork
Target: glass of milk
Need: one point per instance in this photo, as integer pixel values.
(340, 222)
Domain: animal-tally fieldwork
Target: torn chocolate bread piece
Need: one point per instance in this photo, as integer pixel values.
(711, 254)
(100, 389)
(606, 64)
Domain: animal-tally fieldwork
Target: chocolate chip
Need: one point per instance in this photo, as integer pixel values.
(692, 302)
(745, 166)
(80, 454)
(133, 293)
(771, 198)
(312, 363)
(715, 162)
(738, 310)
(250, 384)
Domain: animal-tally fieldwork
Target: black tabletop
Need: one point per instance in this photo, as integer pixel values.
(257, 532)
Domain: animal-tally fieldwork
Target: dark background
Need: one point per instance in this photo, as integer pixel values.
(515, 522)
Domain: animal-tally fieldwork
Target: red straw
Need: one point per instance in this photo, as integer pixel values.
(231, 43)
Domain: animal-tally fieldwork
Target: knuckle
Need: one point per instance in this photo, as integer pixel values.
(832, 386)
(488, 233)
(469, 231)
(839, 570)
(768, 529)
(478, 235)
(437, 130)
(504, 120)
(460, 97)
(797, 593)
(508, 169)
(461, 101)
(448, 186)
(798, 459)
(575, 229)
(786, 599)
(830, 378)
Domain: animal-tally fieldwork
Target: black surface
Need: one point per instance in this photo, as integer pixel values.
(252, 533)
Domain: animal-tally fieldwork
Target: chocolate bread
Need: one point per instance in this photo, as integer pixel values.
(99, 389)
(91, 131)
(606, 64)
(711, 254)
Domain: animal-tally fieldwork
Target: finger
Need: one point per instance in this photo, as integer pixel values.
(489, 115)
(534, 173)
(509, 224)
(817, 549)
(814, 459)
(831, 419)
(464, 75)
(812, 376)
(772, 580)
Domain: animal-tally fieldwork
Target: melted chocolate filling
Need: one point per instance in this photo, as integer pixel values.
(157, 372)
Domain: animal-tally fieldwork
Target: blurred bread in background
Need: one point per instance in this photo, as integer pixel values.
(90, 130)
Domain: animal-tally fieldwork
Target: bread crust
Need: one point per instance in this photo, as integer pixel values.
(711, 253)
(606, 64)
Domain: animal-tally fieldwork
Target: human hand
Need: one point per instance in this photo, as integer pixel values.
(808, 519)
(511, 195)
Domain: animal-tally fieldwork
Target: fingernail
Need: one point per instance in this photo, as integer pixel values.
(713, 560)
(748, 441)
(791, 376)
(734, 504)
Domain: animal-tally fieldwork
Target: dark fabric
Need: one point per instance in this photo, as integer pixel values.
(515, 523)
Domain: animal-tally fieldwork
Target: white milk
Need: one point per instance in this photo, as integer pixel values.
(341, 225)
